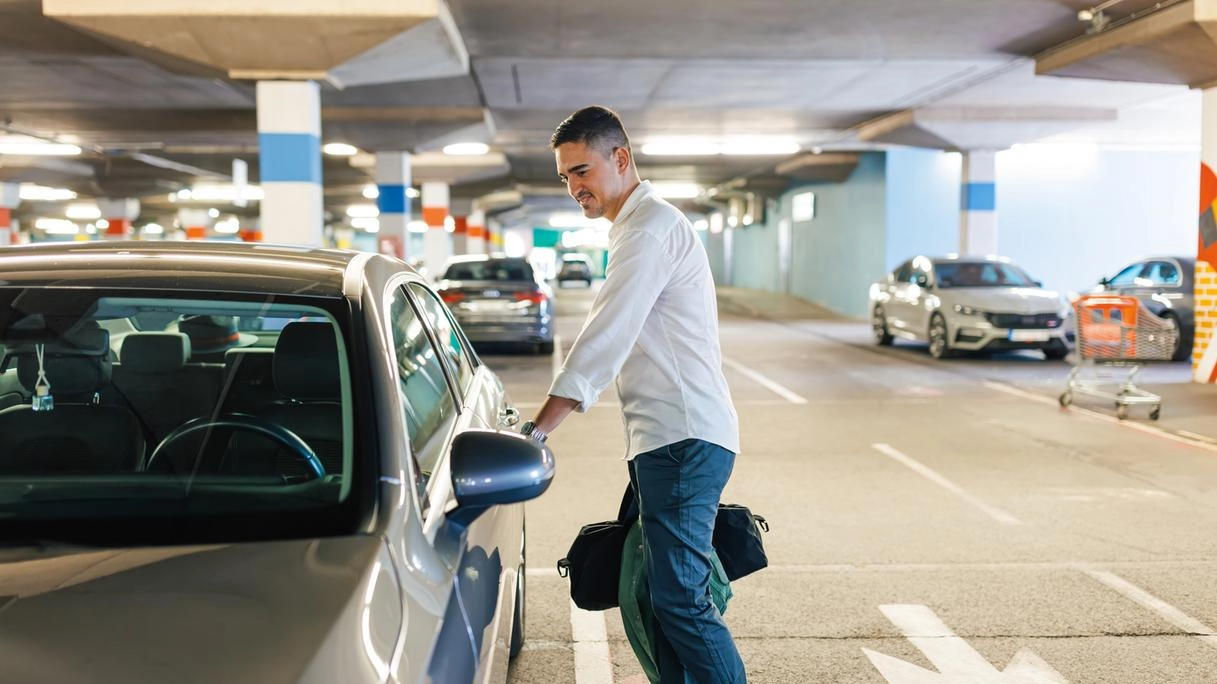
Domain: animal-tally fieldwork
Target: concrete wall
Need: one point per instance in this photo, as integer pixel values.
(1071, 215)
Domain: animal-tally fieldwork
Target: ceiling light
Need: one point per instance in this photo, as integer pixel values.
(680, 147)
(759, 146)
(41, 193)
(84, 211)
(34, 147)
(370, 191)
(466, 149)
(363, 211)
(56, 226)
(153, 229)
(742, 146)
(336, 149)
(220, 193)
(676, 190)
(228, 226)
(370, 225)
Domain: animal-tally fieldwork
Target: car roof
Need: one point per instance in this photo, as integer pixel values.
(213, 266)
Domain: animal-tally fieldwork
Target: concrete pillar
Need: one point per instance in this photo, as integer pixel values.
(119, 215)
(437, 244)
(1204, 350)
(475, 240)
(251, 230)
(289, 145)
(978, 204)
(10, 199)
(195, 223)
(392, 181)
(460, 235)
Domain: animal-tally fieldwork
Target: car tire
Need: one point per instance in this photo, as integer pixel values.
(545, 348)
(517, 615)
(939, 337)
(879, 330)
(1183, 339)
(1055, 353)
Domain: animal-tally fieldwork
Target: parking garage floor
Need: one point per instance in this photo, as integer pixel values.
(931, 521)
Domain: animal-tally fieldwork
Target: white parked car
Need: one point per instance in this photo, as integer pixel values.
(972, 304)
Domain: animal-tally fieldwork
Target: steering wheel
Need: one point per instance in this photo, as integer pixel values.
(244, 423)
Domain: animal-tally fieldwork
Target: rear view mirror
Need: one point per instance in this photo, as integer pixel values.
(492, 468)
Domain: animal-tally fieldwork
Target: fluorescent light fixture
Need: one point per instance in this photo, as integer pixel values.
(103, 224)
(413, 193)
(370, 191)
(337, 149)
(227, 226)
(742, 146)
(574, 220)
(371, 225)
(466, 149)
(675, 190)
(450, 224)
(701, 225)
(417, 226)
(219, 193)
(153, 229)
(56, 226)
(22, 145)
(41, 193)
(686, 147)
(363, 211)
(213, 212)
(83, 211)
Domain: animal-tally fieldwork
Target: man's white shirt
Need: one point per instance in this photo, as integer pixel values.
(653, 329)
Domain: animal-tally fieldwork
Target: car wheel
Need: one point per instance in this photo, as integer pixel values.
(1183, 339)
(882, 337)
(940, 346)
(546, 348)
(1055, 353)
(517, 616)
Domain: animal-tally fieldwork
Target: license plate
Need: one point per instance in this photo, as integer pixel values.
(490, 305)
(1029, 335)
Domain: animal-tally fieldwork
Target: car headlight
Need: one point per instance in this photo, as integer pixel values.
(967, 310)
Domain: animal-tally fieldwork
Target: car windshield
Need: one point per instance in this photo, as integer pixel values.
(981, 274)
(492, 269)
(172, 417)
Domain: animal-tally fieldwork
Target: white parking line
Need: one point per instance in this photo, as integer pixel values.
(1165, 610)
(1181, 437)
(929, 474)
(765, 382)
(593, 662)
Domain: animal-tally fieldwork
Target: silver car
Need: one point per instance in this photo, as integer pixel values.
(972, 304)
(499, 299)
(327, 494)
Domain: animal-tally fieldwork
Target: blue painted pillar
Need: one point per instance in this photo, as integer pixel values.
(978, 203)
(289, 142)
(392, 182)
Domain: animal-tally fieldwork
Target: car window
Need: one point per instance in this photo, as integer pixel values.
(981, 274)
(1165, 274)
(429, 410)
(1127, 277)
(904, 274)
(447, 335)
(491, 269)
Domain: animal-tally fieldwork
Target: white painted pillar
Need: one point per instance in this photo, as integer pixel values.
(119, 215)
(195, 223)
(475, 240)
(392, 181)
(978, 204)
(437, 243)
(1204, 351)
(10, 199)
(289, 145)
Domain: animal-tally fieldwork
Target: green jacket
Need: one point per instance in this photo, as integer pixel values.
(634, 597)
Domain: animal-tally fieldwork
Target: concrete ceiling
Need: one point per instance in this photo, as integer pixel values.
(838, 76)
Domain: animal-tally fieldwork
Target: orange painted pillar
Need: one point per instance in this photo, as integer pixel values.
(119, 215)
(475, 241)
(1204, 349)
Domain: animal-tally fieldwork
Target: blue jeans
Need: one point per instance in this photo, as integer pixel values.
(678, 488)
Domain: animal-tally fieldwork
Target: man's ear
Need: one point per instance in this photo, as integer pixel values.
(621, 159)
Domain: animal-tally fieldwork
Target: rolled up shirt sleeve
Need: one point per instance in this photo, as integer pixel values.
(638, 270)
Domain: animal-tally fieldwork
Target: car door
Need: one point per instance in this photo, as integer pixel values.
(1128, 280)
(902, 296)
(920, 289)
(1165, 286)
(490, 559)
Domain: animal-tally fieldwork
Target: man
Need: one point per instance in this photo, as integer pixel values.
(653, 329)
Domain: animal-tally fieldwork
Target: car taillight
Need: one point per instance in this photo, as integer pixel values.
(451, 297)
(534, 296)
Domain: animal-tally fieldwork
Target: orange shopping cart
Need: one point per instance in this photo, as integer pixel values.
(1116, 334)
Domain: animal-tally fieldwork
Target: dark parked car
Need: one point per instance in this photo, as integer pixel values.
(1165, 286)
(499, 299)
(575, 267)
(332, 500)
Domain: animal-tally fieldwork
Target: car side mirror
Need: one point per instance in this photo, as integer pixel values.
(1104, 281)
(923, 280)
(491, 468)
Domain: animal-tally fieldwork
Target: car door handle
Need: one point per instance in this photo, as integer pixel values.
(509, 416)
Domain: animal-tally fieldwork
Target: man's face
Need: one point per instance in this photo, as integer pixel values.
(594, 180)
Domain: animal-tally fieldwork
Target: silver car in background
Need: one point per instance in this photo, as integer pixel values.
(972, 304)
(499, 299)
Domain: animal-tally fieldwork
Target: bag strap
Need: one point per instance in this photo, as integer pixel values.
(628, 511)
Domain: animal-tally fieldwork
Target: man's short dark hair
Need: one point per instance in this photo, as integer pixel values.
(595, 126)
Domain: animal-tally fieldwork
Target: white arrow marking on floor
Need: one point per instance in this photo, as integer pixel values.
(957, 662)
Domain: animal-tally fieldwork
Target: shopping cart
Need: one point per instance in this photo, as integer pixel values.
(1116, 335)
